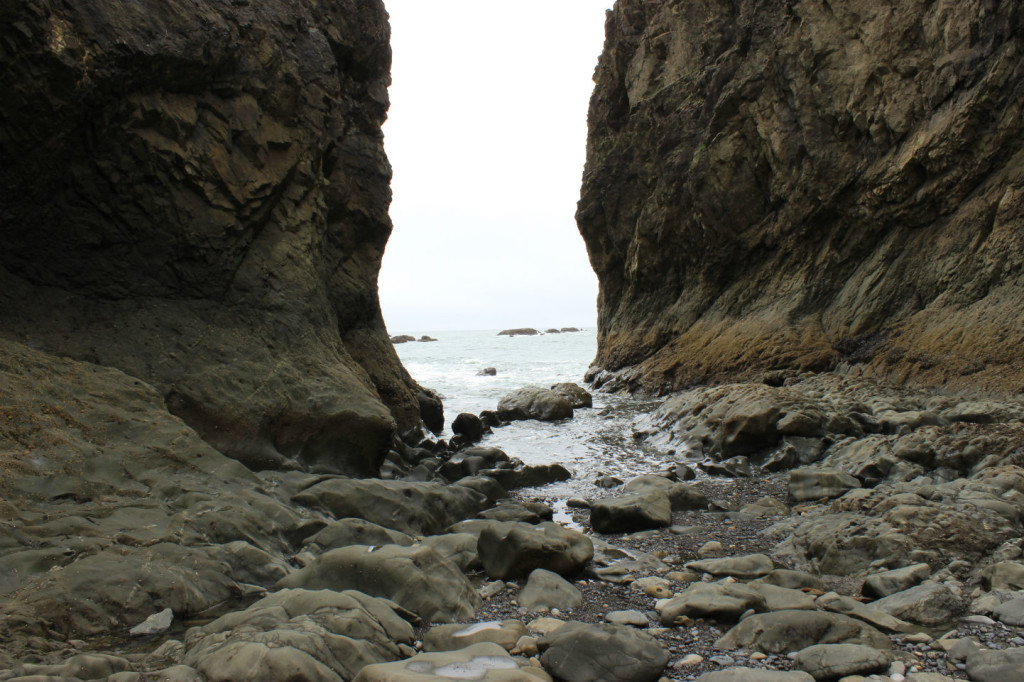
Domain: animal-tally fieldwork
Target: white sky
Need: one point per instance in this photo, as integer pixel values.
(487, 137)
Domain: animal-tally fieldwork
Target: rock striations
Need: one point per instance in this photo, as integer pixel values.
(809, 185)
(196, 193)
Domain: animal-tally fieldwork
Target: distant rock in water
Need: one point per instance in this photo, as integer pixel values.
(487, 372)
(525, 331)
(426, 339)
(553, 331)
(569, 329)
(404, 338)
(757, 199)
(208, 199)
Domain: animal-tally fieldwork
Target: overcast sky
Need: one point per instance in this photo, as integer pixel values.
(487, 137)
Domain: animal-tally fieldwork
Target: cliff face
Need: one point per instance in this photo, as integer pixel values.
(196, 192)
(807, 184)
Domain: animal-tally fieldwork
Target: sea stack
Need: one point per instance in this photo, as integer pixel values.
(804, 185)
(200, 199)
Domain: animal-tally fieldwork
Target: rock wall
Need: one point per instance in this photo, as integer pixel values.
(196, 193)
(809, 185)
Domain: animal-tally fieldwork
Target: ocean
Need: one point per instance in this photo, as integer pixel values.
(594, 442)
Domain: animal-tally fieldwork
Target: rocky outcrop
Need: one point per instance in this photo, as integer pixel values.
(197, 194)
(808, 185)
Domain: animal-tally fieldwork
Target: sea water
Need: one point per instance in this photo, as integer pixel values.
(596, 441)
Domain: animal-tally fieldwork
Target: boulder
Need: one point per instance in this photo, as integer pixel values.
(458, 548)
(855, 609)
(528, 476)
(832, 661)
(485, 661)
(471, 461)
(780, 632)
(631, 512)
(782, 598)
(417, 578)
(890, 582)
(575, 394)
(545, 590)
(682, 497)
(459, 636)
(299, 634)
(723, 602)
(794, 580)
(812, 484)
(577, 652)
(349, 531)
(488, 372)
(413, 508)
(1010, 612)
(469, 427)
(402, 338)
(754, 675)
(512, 550)
(995, 665)
(744, 567)
(534, 402)
(930, 603)
(1005, 575)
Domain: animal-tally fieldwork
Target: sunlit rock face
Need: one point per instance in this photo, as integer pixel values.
(805, 185)
(197, 193)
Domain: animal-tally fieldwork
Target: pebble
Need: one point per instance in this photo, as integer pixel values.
(723, 660)
(689, 661)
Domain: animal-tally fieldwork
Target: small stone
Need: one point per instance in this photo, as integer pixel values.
(154, 625)
(709, 549)
(631, 617)
(689, 661)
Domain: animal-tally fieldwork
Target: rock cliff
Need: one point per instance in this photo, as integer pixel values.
(195, 192)
(809, 185)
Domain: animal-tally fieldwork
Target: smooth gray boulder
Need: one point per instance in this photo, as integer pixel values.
(458, 636)
(711, 600)
(794, 580)
(782, 598)
(996, 665)
(812, 484)
(349, 531)
(485, 662)
(784, 631)
(754, 675)
(1010, 612)
(744, 567)
(545, 590)
(299, 634)
(412, 508)
(930, 604)
(631, 512)
(682, 497)
(534, 402)
(1005, 575)
(417, 578)
(512, 550)
(851, 607)
(575, 394)
(578, 652)
(832, 661)
(890, 582)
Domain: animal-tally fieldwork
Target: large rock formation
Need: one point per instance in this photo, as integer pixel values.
(807, 184)
(196, 192)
